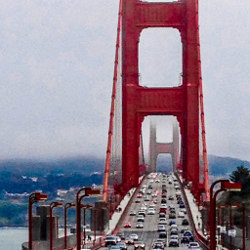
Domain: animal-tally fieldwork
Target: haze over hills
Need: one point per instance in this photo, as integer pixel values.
(21, 177)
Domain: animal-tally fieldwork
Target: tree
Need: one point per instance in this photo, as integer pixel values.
(242, 175)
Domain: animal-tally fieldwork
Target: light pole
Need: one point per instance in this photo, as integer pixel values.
(51, 207)
(34, 197)
(84, 220)
(87, 191)
(66, 207)
(226, 185)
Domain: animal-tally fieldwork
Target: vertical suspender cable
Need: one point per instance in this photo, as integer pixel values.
(112, 109)
(203, 131)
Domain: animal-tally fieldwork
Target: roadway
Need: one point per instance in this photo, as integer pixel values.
(149, 232)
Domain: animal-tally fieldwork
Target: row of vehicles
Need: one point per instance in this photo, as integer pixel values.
(158, 207)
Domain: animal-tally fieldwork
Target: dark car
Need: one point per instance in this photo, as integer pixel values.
(185, 240)
(162, 215)
(172, 222)
(163, 201)
(162, 235)
(172, 216)
(185, 222)
(188, 234)
(182, 205)
(139, 245)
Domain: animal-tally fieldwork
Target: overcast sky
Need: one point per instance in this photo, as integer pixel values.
(56, 60)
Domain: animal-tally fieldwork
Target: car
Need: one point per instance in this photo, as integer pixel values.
(162, 215)
(129, 241)
(171, 197)
(163, 234)
(140, 218)
(139, 245)
(157, 181)
(184, 210)
(171, 222)
(151, 206)
(185, 222)
(163, 210)
(163, 201)
(194, 245)
(185, 240)
(133, 236)
(172, 216)
(139, 195)
(172, 210)
(162, 241)
(161, 228)
(127, 225)
(182, 205)
(158, 245)
(122, 245)
(110, 240)
(132, 213)
(173, 243)
(163, 221)
(181, 215)
(173, 226)
(147, 198)
(164, 206)
(187, 233)
(149, 192)
(164, 195)
(137, 201)
(151, 212)
(139, 225)
(174, 236)
(121, 235)
(141, 212)
(174, 232)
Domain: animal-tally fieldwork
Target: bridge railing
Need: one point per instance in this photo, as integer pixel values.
(201, 239)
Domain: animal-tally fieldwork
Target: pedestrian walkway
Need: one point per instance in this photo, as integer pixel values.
(194, 211)
(117, 215)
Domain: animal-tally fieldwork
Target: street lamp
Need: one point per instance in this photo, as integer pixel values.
(34, 197)
(87, 191)
(66, 207)
(52, 206)
(226, 185)
(84, 220)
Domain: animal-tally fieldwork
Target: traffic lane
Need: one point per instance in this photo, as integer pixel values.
(150, 231)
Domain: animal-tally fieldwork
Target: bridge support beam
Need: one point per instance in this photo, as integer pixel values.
(182, 102)
(156, 148)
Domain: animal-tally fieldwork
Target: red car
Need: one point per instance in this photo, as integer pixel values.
(127, 225)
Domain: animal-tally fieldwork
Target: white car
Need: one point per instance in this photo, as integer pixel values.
(133, 236)
(151, 212)
(194, 245)
(163, 221)
(181, 215)
(164, 206)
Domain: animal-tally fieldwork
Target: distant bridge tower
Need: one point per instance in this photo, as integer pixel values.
(156, 148)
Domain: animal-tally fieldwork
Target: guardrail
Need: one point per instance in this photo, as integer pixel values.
(203, 241)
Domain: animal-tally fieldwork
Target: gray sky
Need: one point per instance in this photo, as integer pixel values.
(56, 60)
